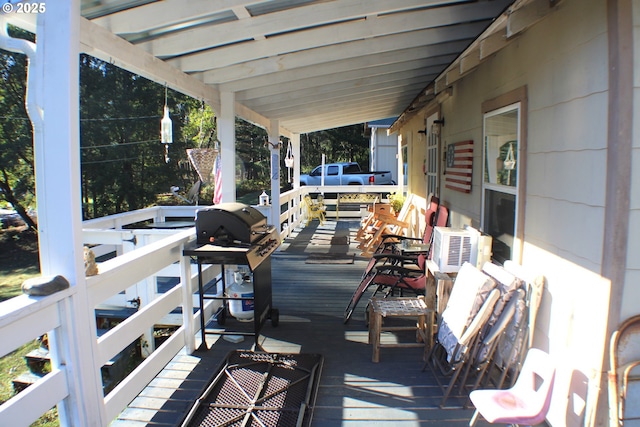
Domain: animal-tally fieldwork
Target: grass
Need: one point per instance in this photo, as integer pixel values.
(11, 367)
(18, 260)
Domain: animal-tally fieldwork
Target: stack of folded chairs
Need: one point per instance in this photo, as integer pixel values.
(485, 325)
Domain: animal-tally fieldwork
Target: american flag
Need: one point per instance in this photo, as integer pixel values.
(217, 168)
(459, 166)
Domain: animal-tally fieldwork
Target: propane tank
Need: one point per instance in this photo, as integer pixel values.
(241, 288)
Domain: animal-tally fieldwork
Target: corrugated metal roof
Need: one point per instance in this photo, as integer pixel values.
(310, 64)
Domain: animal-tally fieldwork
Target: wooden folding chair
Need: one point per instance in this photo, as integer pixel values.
(371, 221)
(388, 224)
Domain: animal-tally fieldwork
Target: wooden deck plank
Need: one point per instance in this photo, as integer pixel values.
(311, 299)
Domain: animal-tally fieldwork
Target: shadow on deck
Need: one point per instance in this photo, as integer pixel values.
(311, 299)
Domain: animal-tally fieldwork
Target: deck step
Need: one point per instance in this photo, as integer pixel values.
(37, 360)
(24, 381)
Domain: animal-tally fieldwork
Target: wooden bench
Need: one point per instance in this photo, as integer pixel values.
(400, 308)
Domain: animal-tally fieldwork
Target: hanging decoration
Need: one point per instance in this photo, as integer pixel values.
(166, 128)
(203, 157)
(288, 161)
(509, 162)
(217, 193)
(459, 166)
(202, 160)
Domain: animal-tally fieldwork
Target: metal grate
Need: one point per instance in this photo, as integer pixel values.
(260, 389)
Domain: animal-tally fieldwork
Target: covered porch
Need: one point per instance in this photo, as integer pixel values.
(352, 389)
(352, 64)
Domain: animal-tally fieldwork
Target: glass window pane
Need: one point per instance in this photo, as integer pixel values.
(500, 179)
(501, 148)
(499, 222)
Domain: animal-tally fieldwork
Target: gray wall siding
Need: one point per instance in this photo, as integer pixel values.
(563, 62)
(631, 294)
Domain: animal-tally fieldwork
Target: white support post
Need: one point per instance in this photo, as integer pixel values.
(274, 146)
(227, 135)
(295, 145)
(57, 165)
(401, 160)
(187, 304)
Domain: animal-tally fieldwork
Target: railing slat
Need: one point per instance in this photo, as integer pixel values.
(131, 386)
(116, 339)
(29, 405)
(32, 320)
(120, 273)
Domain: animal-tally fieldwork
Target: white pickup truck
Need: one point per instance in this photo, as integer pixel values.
(345, 174)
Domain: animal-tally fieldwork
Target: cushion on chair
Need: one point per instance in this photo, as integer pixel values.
(507, 283)
(519, 333)
(470, 290)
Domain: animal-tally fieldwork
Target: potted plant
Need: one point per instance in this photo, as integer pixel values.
(396, 200)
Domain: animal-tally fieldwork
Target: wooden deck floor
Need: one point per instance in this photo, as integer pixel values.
(311, 298)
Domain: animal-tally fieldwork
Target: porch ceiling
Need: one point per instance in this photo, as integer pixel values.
(310, 64)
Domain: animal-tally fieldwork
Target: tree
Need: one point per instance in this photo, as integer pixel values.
(17, 185)
(123, 163)
(122, 160)
(345, 144)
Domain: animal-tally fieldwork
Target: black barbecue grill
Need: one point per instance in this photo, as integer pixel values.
(234, 233)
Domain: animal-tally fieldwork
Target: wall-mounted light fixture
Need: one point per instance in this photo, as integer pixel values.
(436, 126)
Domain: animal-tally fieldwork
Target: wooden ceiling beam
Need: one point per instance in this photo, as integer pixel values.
(523, 17)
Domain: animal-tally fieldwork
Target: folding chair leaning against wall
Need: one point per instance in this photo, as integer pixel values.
(511, 350)
(470, 305)
(504, 343)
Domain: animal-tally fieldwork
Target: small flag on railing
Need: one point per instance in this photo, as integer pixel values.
(217, 193)
(459, 166)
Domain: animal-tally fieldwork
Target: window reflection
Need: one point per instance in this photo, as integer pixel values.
(501, 179)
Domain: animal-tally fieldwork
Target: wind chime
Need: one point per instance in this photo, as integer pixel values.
(166, 128)
(288, 162)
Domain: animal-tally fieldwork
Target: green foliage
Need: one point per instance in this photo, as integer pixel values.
(253, 160)
(345, 144)
(16, 152)
(122, 160)
(397, 201)
(199, 129)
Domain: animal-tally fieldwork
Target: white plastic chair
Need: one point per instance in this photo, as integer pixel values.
(527, 402)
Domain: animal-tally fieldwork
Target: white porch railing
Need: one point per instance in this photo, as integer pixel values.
(143, 254)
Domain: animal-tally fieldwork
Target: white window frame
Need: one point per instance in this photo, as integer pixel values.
(516, 248)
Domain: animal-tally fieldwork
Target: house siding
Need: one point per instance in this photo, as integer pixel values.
(562, 61)
(631, 294)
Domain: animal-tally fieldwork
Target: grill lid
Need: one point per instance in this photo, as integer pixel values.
(230, 224)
